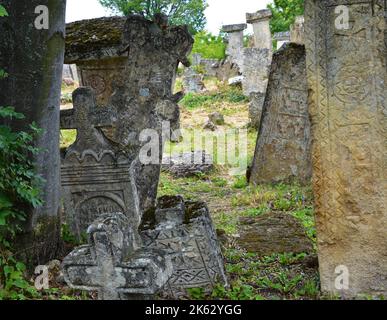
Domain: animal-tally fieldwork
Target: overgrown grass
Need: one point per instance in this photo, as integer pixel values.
(207, 100)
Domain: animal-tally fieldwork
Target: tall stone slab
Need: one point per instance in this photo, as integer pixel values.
(347, 83)
(131, 65)
(33, 58)
(235, 42)
(283, 148)
(261, 28)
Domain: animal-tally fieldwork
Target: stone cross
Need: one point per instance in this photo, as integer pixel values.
(88, 120)
(235, 41)
(113, 264)
(346, 70)
(261, 27)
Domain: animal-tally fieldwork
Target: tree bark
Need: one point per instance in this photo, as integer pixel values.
(33, 59)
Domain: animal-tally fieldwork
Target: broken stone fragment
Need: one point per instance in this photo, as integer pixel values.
(114, 265)
(209, 125)
(185, 230)
(217, 118)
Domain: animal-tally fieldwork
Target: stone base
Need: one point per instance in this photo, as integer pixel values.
(185, 231)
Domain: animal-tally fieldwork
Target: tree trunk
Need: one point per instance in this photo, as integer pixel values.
(33, 58)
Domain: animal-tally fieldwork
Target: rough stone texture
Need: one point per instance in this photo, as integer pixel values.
(138, 86)
(209, 125)
(97, 177)
(347, 84)
(235, 42)
(297, 30)
(283, 149)
(193, 81)
(70, 72)
(282, 38)
(273, 233)
(113, 264)
(210, 66)
(188, 164)
(217, 118)
(255, 108)
(34, 61)
(227, 70)
(185, 231)
(261, 27)
(255, 70)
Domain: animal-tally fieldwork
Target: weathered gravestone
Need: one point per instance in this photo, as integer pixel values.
(33, 59)
(256, 64)
(97, 177)
(346, 66)
(235, 42)
(193, 81)
(114, 264)
(185, 231)
(132, 69)
(283, 148)
(297, 30)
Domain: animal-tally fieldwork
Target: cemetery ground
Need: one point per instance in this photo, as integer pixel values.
(230, 198)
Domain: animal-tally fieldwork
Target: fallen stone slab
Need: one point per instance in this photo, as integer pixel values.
(273, 233)
(188, 164)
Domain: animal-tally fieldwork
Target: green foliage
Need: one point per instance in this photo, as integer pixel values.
(284, 14)
(231, 95)
(209, 46)
(180, 12)
(3, 12)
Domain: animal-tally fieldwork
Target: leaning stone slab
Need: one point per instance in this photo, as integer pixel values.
(283, 148)
(347, 83)
(113, 264)
(185, 231)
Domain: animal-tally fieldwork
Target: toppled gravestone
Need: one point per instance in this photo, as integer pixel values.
(185, 231)
(189, 164)
(131, 65)
(114, 264)
(271, 233)
(283, 148)
(346, 69)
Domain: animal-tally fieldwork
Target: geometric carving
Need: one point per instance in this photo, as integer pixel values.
(347, 78)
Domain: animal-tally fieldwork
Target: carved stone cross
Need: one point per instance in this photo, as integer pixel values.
(113, 265)
(88, 120)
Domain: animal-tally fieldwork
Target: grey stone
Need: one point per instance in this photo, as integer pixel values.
(217, 118)
(297, 30)
(283, 148)
(209, 125)
(257, 100)
(273, 233)
(188, 164)
(282, 38)
(193, 81)
(235, 42)
(261, 27)
(235, 81)
(34, 61)
(346, 69)
(114, 264)
(185, 231)
(97, 176)
(131, 64)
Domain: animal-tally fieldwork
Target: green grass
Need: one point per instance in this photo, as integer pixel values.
(193, 101)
